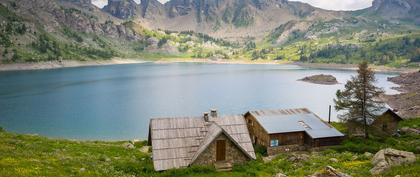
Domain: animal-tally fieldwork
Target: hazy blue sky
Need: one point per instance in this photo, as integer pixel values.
(325, 4)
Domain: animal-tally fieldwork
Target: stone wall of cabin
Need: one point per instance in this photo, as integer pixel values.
(233, 154)
(377, 127)
(257, 133)
(386, 123)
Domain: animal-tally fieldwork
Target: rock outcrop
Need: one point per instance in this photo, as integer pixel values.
(281, 175)
(298, 157)
(410, 130)
(395, 8)
(387, 158)
(408, 102)
(123, 9)
(329, 172)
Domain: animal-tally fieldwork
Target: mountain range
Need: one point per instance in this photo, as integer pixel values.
(254, 18)
(37, 30)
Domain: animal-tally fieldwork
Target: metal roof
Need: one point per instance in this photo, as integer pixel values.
(371, 118)
(294, 120)
(176, 142)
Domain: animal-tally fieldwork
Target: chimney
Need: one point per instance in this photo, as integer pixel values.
(206, 116)
(213, 113)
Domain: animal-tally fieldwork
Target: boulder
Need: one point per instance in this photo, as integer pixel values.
(329, 172)
(145, 149)
(298, 157)
(334, 160)
(368, 155)
(269, 158)
(410, 130)
(280, 175)
(129, 145)
(387, 158)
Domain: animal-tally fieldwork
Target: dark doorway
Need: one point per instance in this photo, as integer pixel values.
(220, 150)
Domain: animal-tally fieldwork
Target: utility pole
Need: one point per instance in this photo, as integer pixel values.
(329, 114)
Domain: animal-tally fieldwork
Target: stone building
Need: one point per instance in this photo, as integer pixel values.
(205, 140)
(290, 130)
(385, 123)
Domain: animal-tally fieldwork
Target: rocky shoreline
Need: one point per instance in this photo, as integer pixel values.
(382, 69)
(407, 103)
(116, 61)
(75, 63)
(64, 64)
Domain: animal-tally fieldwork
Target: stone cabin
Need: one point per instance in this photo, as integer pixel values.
(285, 130)
(385, 123)
(203, 140)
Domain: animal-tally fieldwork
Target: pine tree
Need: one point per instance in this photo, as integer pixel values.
(360, 98)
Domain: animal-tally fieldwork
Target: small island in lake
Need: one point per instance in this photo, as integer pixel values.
(320, 79)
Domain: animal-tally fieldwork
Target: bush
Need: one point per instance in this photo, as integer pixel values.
(72, 34)
(140, 144)
(46, 44)
(259, 149)
(1, 129)
(162, 42)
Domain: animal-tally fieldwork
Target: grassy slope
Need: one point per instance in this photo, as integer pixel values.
(28, 155)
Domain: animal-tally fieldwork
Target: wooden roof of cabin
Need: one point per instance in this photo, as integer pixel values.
(176, 141)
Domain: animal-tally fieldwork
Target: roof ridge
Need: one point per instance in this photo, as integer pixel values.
(206, 141)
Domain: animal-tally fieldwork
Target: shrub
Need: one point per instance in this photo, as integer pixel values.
(72, 34)
(162, 42)
(259, 149)
(140, 144)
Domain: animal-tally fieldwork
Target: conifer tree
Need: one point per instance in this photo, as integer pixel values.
(360, 98)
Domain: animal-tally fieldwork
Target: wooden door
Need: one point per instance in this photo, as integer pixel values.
(220, 150)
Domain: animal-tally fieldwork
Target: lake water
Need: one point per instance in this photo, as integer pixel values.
(116, 102)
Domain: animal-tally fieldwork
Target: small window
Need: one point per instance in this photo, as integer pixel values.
(274, 143)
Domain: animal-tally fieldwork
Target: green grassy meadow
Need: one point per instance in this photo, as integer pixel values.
(33, 155)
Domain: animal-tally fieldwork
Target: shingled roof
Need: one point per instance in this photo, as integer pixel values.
(294, 120)
(177, 142)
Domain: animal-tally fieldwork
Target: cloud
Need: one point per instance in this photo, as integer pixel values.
(324, 4)
(339, 4)
(102, 3)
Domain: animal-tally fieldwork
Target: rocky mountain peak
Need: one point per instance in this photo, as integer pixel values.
(378, 4)
(123, 9)
(151, 8)
(397, 9)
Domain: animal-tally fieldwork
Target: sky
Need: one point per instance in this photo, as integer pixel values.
(324, 4)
